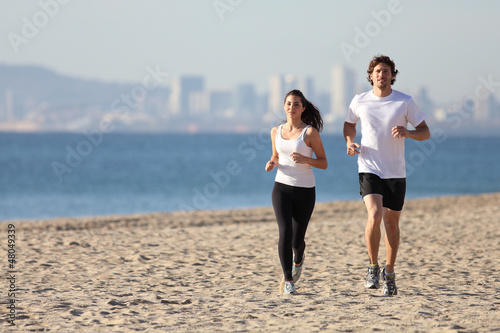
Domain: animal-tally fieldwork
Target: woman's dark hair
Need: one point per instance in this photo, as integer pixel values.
(311, 115)
(382, 59)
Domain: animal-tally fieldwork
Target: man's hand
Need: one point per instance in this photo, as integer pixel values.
(353, 149)
(400, 132)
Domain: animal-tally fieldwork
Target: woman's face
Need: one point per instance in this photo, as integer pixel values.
(293, 106)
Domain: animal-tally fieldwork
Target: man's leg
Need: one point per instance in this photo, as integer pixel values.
(391, 223)
(374, 208)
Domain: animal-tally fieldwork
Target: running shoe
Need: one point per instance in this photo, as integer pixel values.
(373, 277)
(297, 270)
(289, 288)
(389, 284)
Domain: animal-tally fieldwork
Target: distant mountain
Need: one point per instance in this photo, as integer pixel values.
(44, 85)
(47, 100)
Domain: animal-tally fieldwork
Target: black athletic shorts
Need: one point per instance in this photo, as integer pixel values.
(392, 190)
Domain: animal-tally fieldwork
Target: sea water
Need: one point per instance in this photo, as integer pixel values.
(70, 175)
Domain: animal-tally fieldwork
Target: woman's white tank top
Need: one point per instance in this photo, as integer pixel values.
(289, 172)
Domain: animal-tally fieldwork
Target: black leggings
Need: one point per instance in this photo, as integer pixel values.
(293, 207)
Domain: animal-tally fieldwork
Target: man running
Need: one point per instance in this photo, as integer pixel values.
(383, 114)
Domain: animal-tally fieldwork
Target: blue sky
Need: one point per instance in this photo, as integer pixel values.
(442, 45)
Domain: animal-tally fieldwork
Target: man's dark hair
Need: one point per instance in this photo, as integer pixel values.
(382, 59)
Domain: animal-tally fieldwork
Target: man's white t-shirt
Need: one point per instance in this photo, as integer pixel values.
(381, 153)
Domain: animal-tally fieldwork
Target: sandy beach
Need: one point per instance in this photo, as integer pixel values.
(218, 271)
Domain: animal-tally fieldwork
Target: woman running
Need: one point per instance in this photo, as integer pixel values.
(294, 196)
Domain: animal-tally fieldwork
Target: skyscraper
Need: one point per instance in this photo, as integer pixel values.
(276, 91)
(182, 89)
(343, 90)
(245, 102)
(484, 109)
(424, 102)
(280, 85)
(221, 103)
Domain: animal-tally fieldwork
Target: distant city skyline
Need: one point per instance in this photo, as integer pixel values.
(38, 99)
(443, 46)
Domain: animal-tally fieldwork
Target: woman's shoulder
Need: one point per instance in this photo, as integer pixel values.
(274, 130)
(311, 135)
(311, 131)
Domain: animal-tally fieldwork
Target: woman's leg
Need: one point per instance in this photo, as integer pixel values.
(282, 204)
(303, 206)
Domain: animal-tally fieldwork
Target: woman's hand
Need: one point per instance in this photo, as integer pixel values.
(270, 165)
(298, 158)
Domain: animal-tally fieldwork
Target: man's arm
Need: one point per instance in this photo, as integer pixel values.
(349, 136)
(420, 133)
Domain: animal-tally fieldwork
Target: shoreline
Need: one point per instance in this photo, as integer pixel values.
(218, 271)
(128, 219)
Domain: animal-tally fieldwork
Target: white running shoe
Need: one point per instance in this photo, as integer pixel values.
(289, 288)
(297, 270)
(389, 284)
(373, 277)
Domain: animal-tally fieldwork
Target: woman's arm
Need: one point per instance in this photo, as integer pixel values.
(313, 140)
(273, 162)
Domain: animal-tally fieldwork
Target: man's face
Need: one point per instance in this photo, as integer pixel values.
(381, 76)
